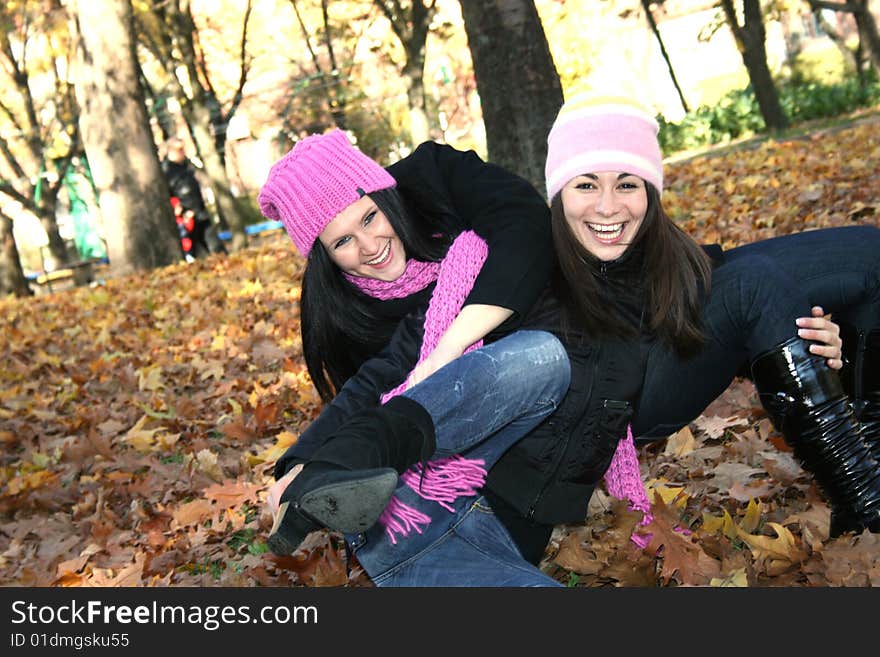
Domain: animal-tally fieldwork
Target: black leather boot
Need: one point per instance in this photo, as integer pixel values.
(807, 403)
(350, 479)
(861, 380)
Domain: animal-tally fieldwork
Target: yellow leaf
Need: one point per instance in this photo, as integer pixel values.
(671, 495)
(737, 578)
(752, 518)
(780, 552)
(139, 438)
(284, 440)
(724, 524)
(206, 461)
(680, 443)
(236, 407)
(150, 378)
(33, 480)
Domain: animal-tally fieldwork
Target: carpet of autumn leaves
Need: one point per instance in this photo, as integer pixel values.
(139, 419)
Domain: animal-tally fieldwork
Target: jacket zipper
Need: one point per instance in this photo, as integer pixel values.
(858, 386)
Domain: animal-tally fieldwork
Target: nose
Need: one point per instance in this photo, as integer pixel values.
(368, 243)
(606, 205)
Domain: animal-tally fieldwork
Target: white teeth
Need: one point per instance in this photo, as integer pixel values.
(381, 256)
(606, 228)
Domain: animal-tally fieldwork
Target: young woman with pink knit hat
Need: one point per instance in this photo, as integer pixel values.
(398, 283)
(629, 276)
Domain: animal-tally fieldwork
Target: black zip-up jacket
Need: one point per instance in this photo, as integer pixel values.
(458, 191)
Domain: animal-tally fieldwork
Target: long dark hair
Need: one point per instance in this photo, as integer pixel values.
(677, 274)
(341, 326)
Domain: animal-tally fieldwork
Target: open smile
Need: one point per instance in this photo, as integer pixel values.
(607, 233)
(382, 257)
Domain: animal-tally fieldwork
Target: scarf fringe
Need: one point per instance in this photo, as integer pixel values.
(442, 481)
(624, 481)
(400, 519)
(445, 480)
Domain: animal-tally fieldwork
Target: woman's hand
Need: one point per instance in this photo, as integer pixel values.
(823, 330)
(441, 356)
(273, 501)
(473, 323)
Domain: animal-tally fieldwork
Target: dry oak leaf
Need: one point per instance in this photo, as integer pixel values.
(233, 493)
(714, 426)
(753, 489)
(192, 513)
(852, 561)
(576, 554)
(779, 553)
(681, 443)
(727, 474)
(682, 558)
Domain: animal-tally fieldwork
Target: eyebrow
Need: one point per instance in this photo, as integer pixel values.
(593, 176)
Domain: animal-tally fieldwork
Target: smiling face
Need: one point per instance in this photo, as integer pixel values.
(361, 241)
(605, 210)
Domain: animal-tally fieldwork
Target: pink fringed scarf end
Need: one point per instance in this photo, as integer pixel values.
(445, 480)
(442, 481)
(400, 519)
(624, 481)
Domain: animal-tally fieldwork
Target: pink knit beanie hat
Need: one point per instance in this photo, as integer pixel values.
(602, 133)
(320, 177)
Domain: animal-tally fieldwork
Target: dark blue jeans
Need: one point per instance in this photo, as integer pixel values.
(481, 404)
(756, 296)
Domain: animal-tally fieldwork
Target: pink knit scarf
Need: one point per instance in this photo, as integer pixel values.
(442, 480)
(624, 480)
(417, 276)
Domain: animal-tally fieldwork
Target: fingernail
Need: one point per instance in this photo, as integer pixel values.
(800, 321)
(802, 332)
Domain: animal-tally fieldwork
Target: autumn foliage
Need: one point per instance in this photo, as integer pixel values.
(140, 419)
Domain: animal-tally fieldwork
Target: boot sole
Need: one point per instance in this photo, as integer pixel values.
(351, 506)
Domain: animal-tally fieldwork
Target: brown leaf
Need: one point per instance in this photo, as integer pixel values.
(681, 558)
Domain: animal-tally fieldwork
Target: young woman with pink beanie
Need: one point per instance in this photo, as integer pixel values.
(398, 283)
(687, 325)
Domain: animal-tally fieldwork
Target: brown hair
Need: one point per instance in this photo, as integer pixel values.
(676, 271)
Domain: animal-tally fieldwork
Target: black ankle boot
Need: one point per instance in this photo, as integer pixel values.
(350, 479)
(808, 405)
(861, 379)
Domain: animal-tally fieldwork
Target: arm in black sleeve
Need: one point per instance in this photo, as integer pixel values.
(513, 218)
(374, 378)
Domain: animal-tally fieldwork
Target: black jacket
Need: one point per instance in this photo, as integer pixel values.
(183, 184)
(455, 191)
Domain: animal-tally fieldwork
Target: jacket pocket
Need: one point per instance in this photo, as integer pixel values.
(601, 443)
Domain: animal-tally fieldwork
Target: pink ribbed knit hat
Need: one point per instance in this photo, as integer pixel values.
(602, 133)
(320, 177)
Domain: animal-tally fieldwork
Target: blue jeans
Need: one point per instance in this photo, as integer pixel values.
(481, 404)
(756, 295)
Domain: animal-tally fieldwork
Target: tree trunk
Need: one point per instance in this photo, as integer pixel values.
(419, 128)
(868, 35)
(412, 27)
(868, 32)
(750, 39)
(520, 95)
(646, 5)
(115, 129)
(12, 280)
